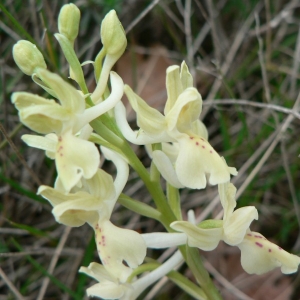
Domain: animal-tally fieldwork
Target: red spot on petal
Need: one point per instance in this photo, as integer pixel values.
(270, 250)
(258, 236)
(203, 147)
(197, 143)
(60, 138)
(259, 244)
(210, 151)
(191, 138)
(279, 248)
(249, 234)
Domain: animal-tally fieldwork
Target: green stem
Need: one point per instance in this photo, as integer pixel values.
(174, 200)
(154, 173)
(195, 263)
(153, 187)
(98, 63)
(71, 57)
(139, 207)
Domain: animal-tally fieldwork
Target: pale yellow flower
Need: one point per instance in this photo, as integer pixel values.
(196, 159)
(66, 125)
(258, 255)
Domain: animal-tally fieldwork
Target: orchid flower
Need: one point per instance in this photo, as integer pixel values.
(74, 156)
(109, 287)
(180, 125)
(92, 200)
(232, 229)
(258, 255)
(84, 205)
(93, 203)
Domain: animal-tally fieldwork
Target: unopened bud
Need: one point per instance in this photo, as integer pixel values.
(68, 21)
(28, 57)
(113, 34)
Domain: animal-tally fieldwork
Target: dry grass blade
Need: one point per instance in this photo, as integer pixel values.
(141, 16)
(11, 286)
(53, 262)
(275, 107)
(226, 284)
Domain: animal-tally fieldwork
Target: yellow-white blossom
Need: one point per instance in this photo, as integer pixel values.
(180, 125)
(258, 255)
(110, 288)
(64, 124)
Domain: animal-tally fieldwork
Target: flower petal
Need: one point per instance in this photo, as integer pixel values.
(237, 225)
(68, 96)
(165, 167)
(44, 86)
(227, 193)
(97, 271)
(185, 76)
(205, 239)
(195, 159)
(174, 87)
(259, 256)
(148, 119)
(74, 209)
(47, 143)
(40, 114)
(136, 137)
(75, 158)
(34, 119)
(185, 111)
(107, 290)
(101, 185)
(116, 245)
(199, 129)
